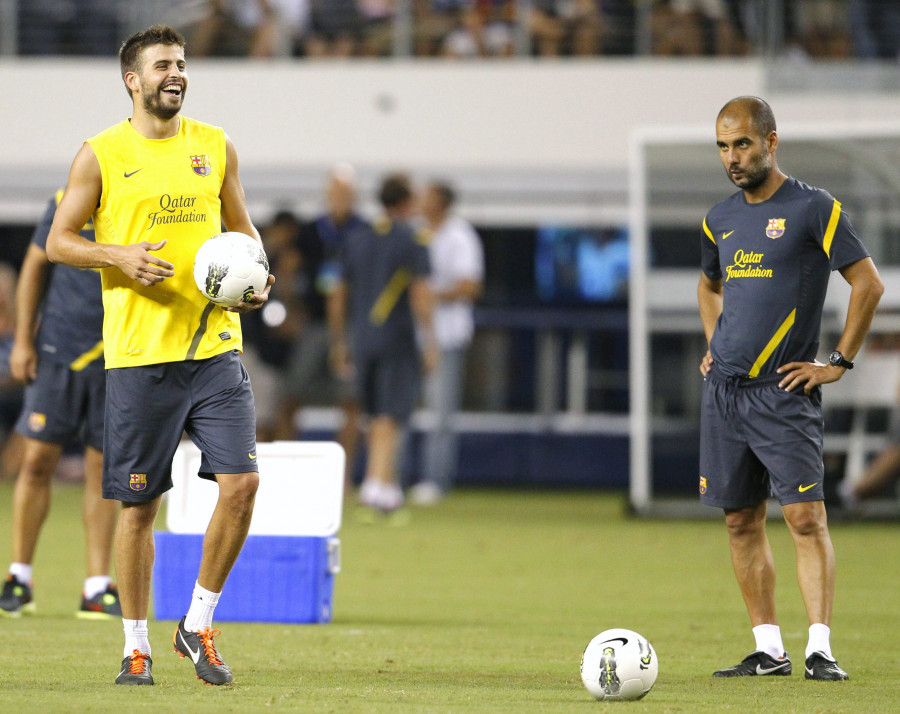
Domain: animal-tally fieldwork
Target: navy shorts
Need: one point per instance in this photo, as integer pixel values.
(62, 405)
(387, 384)
(148, 408)
(758, 440)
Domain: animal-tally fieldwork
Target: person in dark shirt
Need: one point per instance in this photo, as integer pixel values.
(272, 333)
(61, 361)
(384, 299)
(767, 254)
(308, 375)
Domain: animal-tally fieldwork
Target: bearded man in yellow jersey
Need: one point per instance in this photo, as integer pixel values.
(157, 186)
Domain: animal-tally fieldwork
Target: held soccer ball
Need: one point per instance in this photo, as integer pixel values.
(230, 267)
(619, 665)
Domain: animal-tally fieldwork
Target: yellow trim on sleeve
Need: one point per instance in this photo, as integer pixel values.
(708, 232)
(832, 227)
(773, 343)
(84, 360)
(399, 281)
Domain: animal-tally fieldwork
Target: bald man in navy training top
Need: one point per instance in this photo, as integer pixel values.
(767, 254)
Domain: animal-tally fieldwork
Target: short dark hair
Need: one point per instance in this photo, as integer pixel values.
(445, 192)
(130, 52)
(285, 215)
(395, 190)
(758, 109)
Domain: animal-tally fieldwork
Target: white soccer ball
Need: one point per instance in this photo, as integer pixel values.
(230, 267)
(619, 665)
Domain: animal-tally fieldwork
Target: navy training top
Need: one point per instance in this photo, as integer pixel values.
(71, 327)
(774, 259)
(378, 263)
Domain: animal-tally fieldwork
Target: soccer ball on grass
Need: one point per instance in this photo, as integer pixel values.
(230, 267)
(619, 664)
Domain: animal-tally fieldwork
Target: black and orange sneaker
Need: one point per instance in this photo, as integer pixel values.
(200, 648)
(102, 606)
(136, 669)
(17, 599)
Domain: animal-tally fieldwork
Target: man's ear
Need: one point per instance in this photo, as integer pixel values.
(131, 81)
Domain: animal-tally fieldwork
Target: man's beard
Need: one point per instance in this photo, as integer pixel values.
(755, 176)
(153, 106)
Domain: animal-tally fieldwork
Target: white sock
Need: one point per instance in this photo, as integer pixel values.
(768, 640)
(369, 492)
(819, 635)
(22, 571)
(136, 637)
(95, 585)
(200, 614)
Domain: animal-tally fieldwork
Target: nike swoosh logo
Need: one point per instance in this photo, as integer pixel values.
(802, 489)
(252, 456)
(725, 235)
(129, 175)
(623, 640)
(769, 670)
(194, 655)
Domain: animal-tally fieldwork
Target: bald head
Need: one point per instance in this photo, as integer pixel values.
(747, 141)
(340, 192)
(753, 108)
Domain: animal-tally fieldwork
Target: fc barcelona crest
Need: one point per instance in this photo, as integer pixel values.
(201, 165)
(37, 421)
(137, 482)
(703, 484)
(775, 229)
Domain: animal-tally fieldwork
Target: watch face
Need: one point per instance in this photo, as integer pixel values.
(838, 360)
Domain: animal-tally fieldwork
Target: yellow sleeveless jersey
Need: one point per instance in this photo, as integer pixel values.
(154, 190)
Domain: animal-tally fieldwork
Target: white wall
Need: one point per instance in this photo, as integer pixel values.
(480, 120)
(495, 114)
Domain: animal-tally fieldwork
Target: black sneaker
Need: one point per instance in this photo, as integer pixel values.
(200, 648)
(758, 664)
(823, 668)
(103, 606)
(136, 669)
(16, 599)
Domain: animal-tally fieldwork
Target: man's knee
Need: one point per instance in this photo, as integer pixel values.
(39, 463)
(137, 516)
(745, 522)
(805, 519)
(239, 488)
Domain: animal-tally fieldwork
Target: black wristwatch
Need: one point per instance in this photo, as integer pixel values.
(838, 360)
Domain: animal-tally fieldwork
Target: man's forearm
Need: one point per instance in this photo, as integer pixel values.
(69, 248)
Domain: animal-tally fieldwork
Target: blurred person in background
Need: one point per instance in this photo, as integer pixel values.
(335, 28)
(571, 27)
(377, 27)
(310, 377)
(383, 304)
(58, 353)
(878, 476)
(875, 27)
(250, 28)
(457, 276)
(271, 334)
(433, 21)
(694, 28)
(485, 28)
(10, 388)
(67, 27)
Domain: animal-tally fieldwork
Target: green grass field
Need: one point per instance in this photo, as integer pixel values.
(481, 605)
